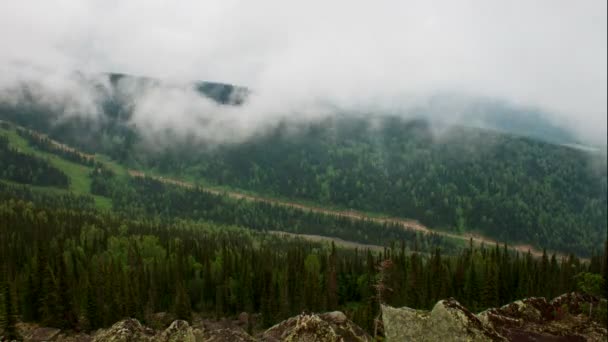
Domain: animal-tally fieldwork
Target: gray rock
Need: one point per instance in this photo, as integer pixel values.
(535, 319)
(43, 334)
(332, 326)
(178, 331)
(448, 321)
(128, 330)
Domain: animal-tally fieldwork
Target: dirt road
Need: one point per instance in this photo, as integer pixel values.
(405, 223)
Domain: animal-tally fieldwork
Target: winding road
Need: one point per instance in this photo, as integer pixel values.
(405, 223)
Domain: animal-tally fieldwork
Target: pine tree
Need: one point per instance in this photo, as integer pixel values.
(38, 286)
(489, 294)
(472, 289)
(92, 309)
(332, 281)
(414, 282)
(605, 269)
(183, 309)
(65, 307)
(9, 322)
(29, 304)
(50, 299)
(437, 281)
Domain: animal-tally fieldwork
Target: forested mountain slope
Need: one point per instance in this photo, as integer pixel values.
(114, 246)
(508, 188)
(88, 269)
(454, 178)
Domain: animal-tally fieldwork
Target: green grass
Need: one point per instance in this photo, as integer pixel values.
(80, 182)
(118, 169)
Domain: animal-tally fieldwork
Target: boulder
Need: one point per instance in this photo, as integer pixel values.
(448, 321)
(43, 334)
(573, 301)
(332, 326)
(178, 331)
(535, 319)
(128, 330)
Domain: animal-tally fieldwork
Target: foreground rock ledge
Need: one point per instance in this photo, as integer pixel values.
(331, 326)
(531, 319)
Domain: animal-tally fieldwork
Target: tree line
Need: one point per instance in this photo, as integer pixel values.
(28, 169)
(509, 188)
(83, 269)
(144, 196)
(506, 187)
(43, 143)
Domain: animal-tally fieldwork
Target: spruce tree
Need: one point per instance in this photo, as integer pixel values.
(472, 289)
(605, 269)
(92, 309)
(489, 295)
(9, 322)
(332, 281)
(182, 303)
(65, 306)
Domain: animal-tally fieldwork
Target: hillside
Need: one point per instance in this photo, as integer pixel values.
(74, 267)
(529, 319)
(452, 178)
(98, 242)
(412, 167)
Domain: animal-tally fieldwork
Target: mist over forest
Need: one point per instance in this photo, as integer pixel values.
(223, 171)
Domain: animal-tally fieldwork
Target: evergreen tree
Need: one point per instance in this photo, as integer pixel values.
(332, 281)
(92, 309)
(9, 322)
(183, 308)
(605, 268)
(65, 306)
(472, 289)
(489, 295)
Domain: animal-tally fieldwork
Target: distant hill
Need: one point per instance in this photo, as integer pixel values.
(479, 113)
(511, 180)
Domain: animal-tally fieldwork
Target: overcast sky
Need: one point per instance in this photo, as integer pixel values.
(550, 54)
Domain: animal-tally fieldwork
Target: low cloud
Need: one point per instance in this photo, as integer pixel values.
(304, 61)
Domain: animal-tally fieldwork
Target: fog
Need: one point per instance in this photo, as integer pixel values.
(306, 60)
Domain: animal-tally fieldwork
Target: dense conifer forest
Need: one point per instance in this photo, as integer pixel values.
(457, 179)
(79, 268)
(27, 169)
(70, 263)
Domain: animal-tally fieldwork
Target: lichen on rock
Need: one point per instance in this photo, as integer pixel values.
(128, 330)
(530, 319)
(178, 331)
(448, 321)
(331, 327)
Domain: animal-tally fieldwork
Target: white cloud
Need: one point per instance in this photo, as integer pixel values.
(353, 54)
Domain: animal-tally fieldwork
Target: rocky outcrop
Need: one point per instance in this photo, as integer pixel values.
(564, 318)
(178, 331)
(448, 321)
(43, 334)
(332, 326)
(535, 319)
(531, 319)
(128, 330)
